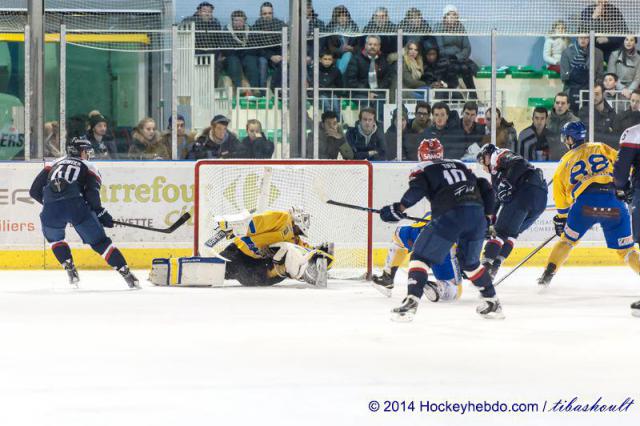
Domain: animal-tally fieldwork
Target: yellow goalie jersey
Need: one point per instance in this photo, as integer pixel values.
(591, 162)
(264, 229)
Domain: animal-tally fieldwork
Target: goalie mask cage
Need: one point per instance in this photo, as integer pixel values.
(230, 186)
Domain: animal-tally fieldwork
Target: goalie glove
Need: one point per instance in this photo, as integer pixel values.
(559, 223)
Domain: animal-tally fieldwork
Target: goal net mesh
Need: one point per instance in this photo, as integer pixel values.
(229, 188)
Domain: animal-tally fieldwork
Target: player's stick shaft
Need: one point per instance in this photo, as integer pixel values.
(523, 261)
(178, 223)
(368, 209)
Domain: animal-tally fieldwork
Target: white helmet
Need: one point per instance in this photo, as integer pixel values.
(300, 218)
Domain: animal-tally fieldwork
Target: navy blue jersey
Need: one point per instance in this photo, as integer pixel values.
(445, 183)
(509, 167)
(67, 178)
(628, 157)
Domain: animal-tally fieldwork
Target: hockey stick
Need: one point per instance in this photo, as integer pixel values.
(367, 209)
(523, 261)
(178, 223)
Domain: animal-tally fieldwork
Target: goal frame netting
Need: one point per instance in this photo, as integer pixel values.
(198, 215)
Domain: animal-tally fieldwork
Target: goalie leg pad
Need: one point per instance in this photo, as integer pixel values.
(187, 271)
(303, 264)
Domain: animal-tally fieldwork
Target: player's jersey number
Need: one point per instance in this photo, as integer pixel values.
(596, 163)
(67, 172)
(454, 176)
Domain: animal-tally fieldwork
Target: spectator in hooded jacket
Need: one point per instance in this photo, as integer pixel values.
(380, 24)
(602, 18)
(341, 44)
(216, 141)
(104, 146)
(366, 137)
(256, 144)
(574, 69)
(147, 144)
(331, 140)
(240, 60)
(533, 143)
(625, 63)
(604, 118)
(456, 47)
(630, 117)
(438, 72)
(560, 115)
(266, 32)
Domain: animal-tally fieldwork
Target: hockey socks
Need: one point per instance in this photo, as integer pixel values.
(560, 251)
(492, 248)
(481, 279)
(417, 278)
(61, 251)
(110, 253)
(506, 250)
(631, 257)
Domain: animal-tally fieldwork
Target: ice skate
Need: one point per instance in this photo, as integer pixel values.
(635, 309)
(72, 273)
(406, 311)
(490, 308)
(547, 276)
(128, 276)
(383, 283)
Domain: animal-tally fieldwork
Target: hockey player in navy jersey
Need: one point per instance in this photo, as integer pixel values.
(69, 191)
(459, 202)
(629, 190)
(522, 195)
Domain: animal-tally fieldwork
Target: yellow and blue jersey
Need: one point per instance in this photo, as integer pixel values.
(589, 163)
(267, 228)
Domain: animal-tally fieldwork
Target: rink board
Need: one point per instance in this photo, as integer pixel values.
(157, 193)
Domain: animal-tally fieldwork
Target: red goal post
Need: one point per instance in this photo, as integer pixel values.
(230, 186)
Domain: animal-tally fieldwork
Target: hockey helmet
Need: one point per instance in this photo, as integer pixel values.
(486, 151)
(79, 144)
(430, 149)
(576, 130)
(301, 219)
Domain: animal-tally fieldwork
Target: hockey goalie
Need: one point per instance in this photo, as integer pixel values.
(268, 247)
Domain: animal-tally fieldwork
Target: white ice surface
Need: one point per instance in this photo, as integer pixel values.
(287, 355)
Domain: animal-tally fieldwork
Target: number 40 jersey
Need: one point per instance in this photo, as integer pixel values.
(591, 162)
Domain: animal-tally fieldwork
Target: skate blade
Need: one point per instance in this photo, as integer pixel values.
(493, 316)
(382, 289)
(543, 288)
(635, 313)
(396, 317)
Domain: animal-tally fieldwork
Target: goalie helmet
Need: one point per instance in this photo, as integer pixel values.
(301, 219)
(77, 145)
(430, 149)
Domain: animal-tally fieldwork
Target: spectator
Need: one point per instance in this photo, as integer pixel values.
(422, 118)
(438, 74)
(456, 48)
(506, 134)
(240, 61)
(554, 45)
(603, 17)
(560, 115)
(630, 117)
(413, 69)
(417, 30)
(256, 144)
(215, 141)
(185, 139)
(391, 135)
(366, 137)
(146, 143)
(313, 22)
(610, 84)
(625, 63)
(445, 131)
(369, 70)
(604, 118)
(266, 33)
(52, 140)
(574, 69)
(331, 140)
(204, 23)
(342, 46)
(330, 77)
(471, 132)
(104, 146)
(381, 24)
(533, 142)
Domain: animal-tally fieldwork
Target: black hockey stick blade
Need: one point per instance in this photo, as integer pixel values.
(523, 261)
(177, 224)
(367, 209)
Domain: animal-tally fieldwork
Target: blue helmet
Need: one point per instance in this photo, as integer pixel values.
(79, 144)
(578, 132)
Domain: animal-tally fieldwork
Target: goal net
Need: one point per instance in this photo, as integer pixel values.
(231, 186)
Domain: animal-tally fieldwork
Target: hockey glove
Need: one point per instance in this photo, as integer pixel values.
(625, 194)
(559, 223)
(505, 192)
(392, 213)
(105, 218)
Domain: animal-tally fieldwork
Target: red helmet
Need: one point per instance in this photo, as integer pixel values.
(430, 149)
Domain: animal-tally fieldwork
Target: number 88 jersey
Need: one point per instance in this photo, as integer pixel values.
(588, 163)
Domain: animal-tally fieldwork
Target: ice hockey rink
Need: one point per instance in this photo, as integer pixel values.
(291, 355)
